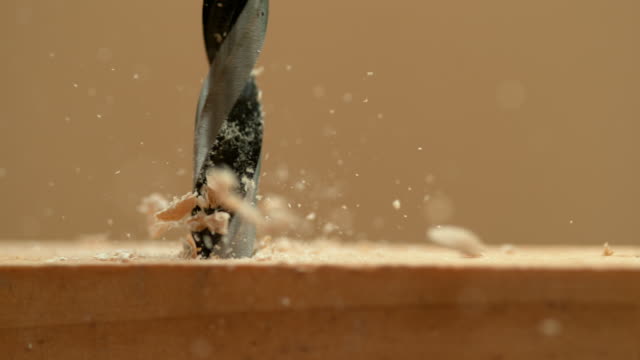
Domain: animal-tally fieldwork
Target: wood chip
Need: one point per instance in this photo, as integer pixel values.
(457, 238)
(220, 192)
(189, 250)
(218, 222)
(179, 208)
(196, 222)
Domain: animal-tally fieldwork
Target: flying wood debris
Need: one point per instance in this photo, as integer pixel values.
(457, 238)
(220, 193)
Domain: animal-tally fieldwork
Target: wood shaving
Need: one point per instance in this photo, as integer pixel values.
(218, 222)
(177, 215)
(274, 214)
(220, 190)
(178, 209)
(607, 251)
(218, 193)
(457, 238)
(195, 223)
(189, 249)
(157, 229)
(239, 207)
(221, 181)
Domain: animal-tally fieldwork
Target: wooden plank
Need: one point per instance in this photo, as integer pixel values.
(417, 305)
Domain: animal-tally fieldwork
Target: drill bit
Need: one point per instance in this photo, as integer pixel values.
(228, 130)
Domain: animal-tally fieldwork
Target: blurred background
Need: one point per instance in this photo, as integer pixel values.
(518, 120)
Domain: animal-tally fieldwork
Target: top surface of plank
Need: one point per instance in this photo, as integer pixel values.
(320, 253)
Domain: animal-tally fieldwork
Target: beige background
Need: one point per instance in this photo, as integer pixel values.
(516, 119)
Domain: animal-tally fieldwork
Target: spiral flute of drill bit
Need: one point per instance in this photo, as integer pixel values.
(228, 131)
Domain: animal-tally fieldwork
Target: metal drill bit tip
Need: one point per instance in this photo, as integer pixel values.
(228, 131)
